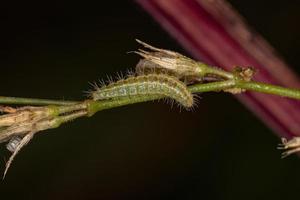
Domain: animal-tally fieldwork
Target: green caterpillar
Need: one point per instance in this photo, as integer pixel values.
(148, 86)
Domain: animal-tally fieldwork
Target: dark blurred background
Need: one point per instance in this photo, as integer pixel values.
(52, 49)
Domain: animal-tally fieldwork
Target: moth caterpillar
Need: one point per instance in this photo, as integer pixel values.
(149, 85)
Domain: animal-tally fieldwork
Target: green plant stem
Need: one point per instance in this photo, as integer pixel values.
(71, 109)
(95, 106)
(66, 118)
(31, 101)
(214, 86)
(215, 71)
(269, 89)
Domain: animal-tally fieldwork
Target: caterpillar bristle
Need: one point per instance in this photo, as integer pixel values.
(109, 79)
(92, 84)
(197, 99)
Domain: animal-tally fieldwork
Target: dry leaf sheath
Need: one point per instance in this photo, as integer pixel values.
(26, 121)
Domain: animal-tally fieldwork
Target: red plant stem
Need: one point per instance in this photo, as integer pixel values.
(213, 32)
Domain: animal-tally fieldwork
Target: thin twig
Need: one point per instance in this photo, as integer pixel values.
(33, 101)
